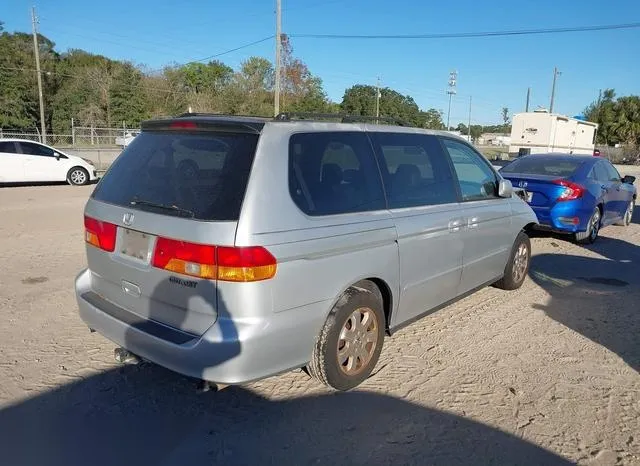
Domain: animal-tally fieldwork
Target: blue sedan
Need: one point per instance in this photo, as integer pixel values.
(572, 193)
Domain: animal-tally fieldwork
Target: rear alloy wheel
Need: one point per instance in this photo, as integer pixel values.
(350, 342)
(517, 267)
(591, 235)
(628, 215)
(78, 176)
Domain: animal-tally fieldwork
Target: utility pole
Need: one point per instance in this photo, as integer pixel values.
(34, 22)
(556, 73)
(453, 76)
(469, 129)
(377, 99)
(526, 109)
(276, 102)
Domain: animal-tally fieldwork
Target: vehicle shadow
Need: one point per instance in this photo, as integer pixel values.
(595, 297)
(145, 415)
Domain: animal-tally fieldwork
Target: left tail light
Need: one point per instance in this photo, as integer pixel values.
(100, 234)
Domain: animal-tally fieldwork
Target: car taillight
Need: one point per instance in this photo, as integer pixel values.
(100, 234)
(571, 190)
(197, 260)
(234, 264)
(245, 264)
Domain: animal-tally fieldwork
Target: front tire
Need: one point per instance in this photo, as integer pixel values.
(349, 345)
(78, 176)
(628, 215)
(593, 230)
(517, 267)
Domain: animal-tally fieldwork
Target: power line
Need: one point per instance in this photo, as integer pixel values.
(453, 35)
(210, 57)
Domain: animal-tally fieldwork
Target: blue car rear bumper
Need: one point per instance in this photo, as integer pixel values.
(564, 217)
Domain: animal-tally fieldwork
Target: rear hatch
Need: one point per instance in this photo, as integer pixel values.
(156, 220)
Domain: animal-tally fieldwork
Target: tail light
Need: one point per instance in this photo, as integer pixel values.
(235, 264)
(197, 260)
(245, 264)
(100, 234)
(572, 191)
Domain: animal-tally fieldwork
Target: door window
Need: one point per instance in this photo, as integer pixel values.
(476, 178)
(8, 147)
(334, 173)
(415, 170)
(31, 148)
(600, 173)
(612, 173)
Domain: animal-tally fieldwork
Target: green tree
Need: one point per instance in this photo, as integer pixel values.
(505, 115)
(128, 104)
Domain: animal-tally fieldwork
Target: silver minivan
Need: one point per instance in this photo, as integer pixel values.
(231, 248)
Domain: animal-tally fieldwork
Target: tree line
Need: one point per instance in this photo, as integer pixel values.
(618, 119)
(102, 92)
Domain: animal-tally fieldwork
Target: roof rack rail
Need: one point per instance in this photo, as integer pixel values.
(344, 118)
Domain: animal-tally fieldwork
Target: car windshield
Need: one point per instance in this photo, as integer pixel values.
(201, 176)
(533, 165)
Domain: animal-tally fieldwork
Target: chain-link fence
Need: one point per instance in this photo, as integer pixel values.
(78, 136)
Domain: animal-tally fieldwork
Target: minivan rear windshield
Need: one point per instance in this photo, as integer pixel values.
(195, 175)
(534, 165)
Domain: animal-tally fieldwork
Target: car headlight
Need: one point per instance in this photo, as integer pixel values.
(90, 162)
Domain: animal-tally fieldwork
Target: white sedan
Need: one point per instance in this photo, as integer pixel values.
(23, 161)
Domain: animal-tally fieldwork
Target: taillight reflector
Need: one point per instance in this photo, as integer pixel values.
(572, 191)
(100, 234)
(245, 264)
(197, 260)
(235, 264)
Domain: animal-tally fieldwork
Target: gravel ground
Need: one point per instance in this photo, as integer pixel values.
(547, 374)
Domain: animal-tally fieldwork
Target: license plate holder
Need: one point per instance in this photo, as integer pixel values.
(528, 196)
(136, 245)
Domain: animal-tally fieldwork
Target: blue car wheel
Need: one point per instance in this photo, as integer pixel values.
(591, 235)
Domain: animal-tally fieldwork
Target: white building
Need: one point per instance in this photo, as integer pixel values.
(540, 132)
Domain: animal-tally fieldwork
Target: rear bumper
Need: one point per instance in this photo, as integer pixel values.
(564, 217)
(231, 351)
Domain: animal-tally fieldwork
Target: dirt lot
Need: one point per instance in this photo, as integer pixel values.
(544, 375)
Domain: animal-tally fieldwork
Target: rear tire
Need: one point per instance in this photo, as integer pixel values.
(517, 266)
(78, 176)
(593, 230)
(350, 342)
(628, 215)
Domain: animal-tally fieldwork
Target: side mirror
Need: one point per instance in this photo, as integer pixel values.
(505, 188)
(56, 155)
(629, 179)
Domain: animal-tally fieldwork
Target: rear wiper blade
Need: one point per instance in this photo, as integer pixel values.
(172, 208)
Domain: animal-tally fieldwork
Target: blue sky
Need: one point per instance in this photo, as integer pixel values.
(494, 71)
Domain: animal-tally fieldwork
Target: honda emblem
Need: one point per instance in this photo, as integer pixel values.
(127, 218)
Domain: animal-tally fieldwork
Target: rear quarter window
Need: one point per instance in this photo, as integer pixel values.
(202, 175)
(334, 173)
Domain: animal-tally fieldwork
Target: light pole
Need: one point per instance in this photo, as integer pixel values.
(453, 77)
(276, 100)
(377, 99)
(34, 22)
(556, 73)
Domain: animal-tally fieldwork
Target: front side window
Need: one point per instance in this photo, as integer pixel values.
(31, 148)
(612, 173)
(334, 173)
(476, 178)
(415, 170)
